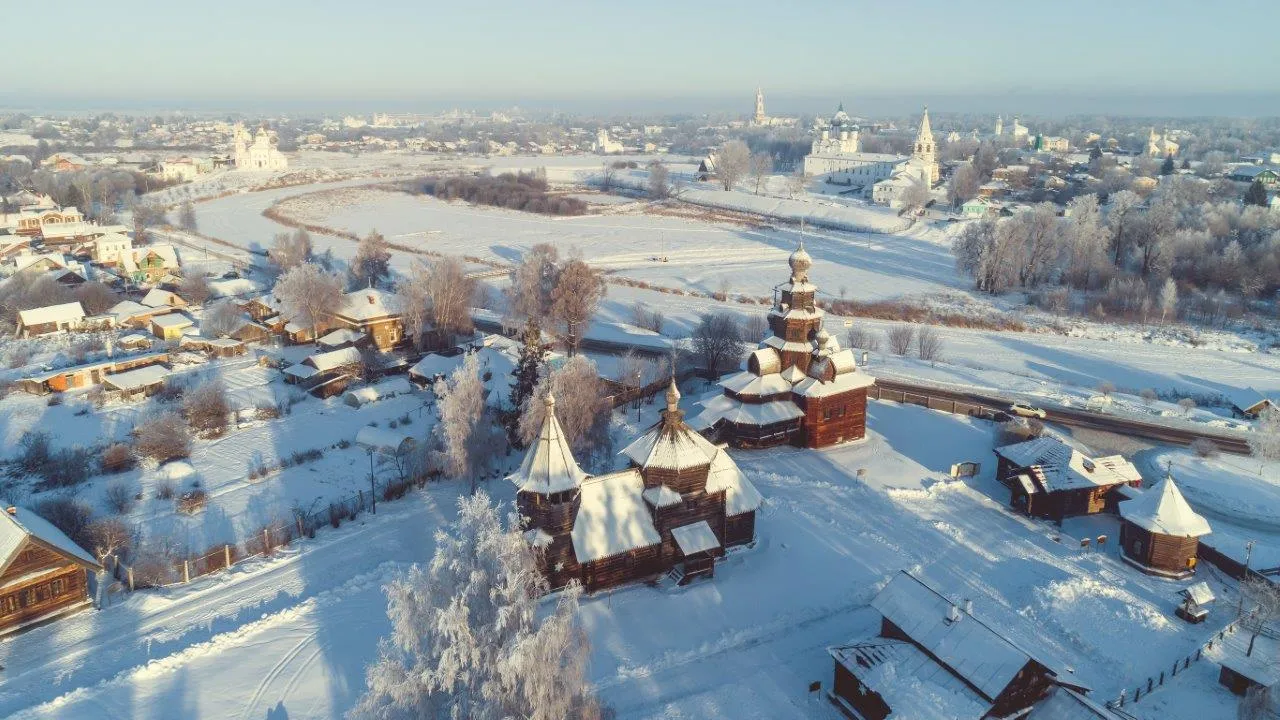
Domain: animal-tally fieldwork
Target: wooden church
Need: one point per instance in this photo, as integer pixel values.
(1159, 532)
(799, 387)
(677, 508)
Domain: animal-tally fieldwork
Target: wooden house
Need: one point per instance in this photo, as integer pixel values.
(135, 384)
(326, 374)
(149, 264)
(130, 313)
(159, 297)
(87, 374)
(799, 386)
(1159, 532)
(50, 319)
(1248, 403)
(341, 338)
(43, 574)
(250, 332)
(171, 326)
(1049, 479)
(262, 307)
(371, 312)
(676, 510)
(930, 649)
(223, 347)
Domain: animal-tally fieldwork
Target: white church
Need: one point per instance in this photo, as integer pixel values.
(836, 157)
(258, 154)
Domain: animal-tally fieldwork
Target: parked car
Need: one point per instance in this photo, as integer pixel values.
(1024, 410)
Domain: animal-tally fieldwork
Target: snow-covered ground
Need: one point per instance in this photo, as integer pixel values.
(288, 637)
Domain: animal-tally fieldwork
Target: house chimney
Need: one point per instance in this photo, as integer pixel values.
(11, 510)
(370, 298)
(967, 605)
(953, 614)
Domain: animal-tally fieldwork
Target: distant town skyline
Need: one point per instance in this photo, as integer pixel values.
(1163, 58)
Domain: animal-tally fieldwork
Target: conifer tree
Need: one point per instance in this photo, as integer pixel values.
(524, 378)
(1256, 194)
(1168, 167)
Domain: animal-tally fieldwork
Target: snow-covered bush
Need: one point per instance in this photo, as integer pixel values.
(164, 436)
(119, 498)
(117, 458)
(899, 339)
(206, 408)
(1204, 447)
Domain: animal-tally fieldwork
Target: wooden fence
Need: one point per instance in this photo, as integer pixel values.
(956, 407)
(1155, 682)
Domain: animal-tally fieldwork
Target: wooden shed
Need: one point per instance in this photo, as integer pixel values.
(1159, 532)
(43, 574)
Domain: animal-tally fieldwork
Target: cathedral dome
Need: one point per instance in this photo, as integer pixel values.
(800, 263)
(841, 117)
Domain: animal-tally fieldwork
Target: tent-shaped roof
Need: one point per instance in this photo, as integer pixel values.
(1163, 510)
(549, 466)
(671, 444)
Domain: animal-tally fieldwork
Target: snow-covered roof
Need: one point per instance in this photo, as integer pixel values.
(972, 649)
(157, 297)
(333, 359)
(136, 379)
(779, 344)
(813, 388)
(548, 466)
(740, 495)
(433, 365)
(722, 407)
(1163, 510)
(126, 309)
(1246, 399)
(748, 383)
(301, 370)
(1058, 466)
(1063, 703)
(22, 524)
(661, 496)
(909, 681)
(612, 517)
(232, 287)
(66, 312)
(383, 439)
(341, 336)
(1198, 593)
(671, 447)
(766, 359)
(368, 304)
(172, 320)
(695, 538)
(793, 374)
(361, 396)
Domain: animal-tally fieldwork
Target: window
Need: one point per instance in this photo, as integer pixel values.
(58, 586)
(8, 604)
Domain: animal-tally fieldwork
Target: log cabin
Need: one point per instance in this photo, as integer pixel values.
(675, 511)
(1159, 532)
(930, 648)
(798, 387)
(50, 319)
(87, 374)
(1049, 479)
(43, 574)
(371, 312)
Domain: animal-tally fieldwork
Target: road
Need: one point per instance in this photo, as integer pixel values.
(1226, 441)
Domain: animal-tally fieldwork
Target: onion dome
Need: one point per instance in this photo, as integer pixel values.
(800, 262)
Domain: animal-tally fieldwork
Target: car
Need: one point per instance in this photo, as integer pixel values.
(1024, 410)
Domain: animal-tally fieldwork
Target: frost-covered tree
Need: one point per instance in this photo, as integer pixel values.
(733, 162)
(533, 281)
(759, 168)
(220, 318)
(1264, 441)
(1122, 208)
(718, 341)
(372, 260)
(187, 216)
(413, 295)
(964, 184)
(1085, 237)
(1168, 299)
(290, 250)
(466, 642)
(524, 379)
(578, 291)
(195, 289)
(916, 196)
(581, 406)
(450, 292)
(797, 183)
(309, 295)
(467, 430)
(659, 181)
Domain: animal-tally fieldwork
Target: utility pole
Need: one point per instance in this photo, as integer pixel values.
(1248, 554)
(373, 489)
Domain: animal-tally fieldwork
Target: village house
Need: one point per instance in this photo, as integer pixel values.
(675, 511)
(171, 326)
(77, 237)
(1248, 403)
(157, 297)
(223, 347)
(930, 650)
(86, 374)
(372, 312)
(109, 248)
(1159, 532)
(33, 223)
(1049, 479)
(129, 313)
(326, 374)
(142, 382)
(50, 319)
(799, 387)
(43, 574)
(149, 264)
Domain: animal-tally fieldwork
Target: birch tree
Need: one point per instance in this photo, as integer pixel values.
(732, 163)
(577, 294)
(1264, 441)
(1168, 299)
(465, 640)
(449, 296)
(290, 250)
(582, 407)
(659, 181)
(310, 295)
(759, 168)
(467, 430)
(533, 281)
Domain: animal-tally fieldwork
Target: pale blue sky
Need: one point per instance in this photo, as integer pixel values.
(691, 54)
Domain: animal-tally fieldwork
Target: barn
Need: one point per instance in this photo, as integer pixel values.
(43, 574)
(1049, 479)
(1159, 532)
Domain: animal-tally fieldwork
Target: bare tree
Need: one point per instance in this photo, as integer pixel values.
(95, 297)
(1264, 441)
(221, 318)
(1106, 387)
(290, 250)
(964, 184)
(797, 183)
(582, 407)
(187, 216)
(1260, 605)
(649, 319)
(1148, 396)
(195, 289)
(578, 291)
(718, 341)
(863, 339)
(759, 168)
(1168, 299)
(310, 295)
(206, 408)
(916, 195)
(608, 176)
(1187, 405)
(372, 261)
(533, 282)
(755, 328)
(732, 163)
(109, 537)
(659, 180)
(449, 296)
(413, 295)
(145, 216)
(163, 437)
(899, 338)
(929, 343)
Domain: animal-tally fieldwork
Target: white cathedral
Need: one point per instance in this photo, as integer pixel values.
(836, 157)
(258, 154)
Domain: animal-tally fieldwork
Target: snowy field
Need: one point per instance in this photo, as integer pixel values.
(288, 637)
